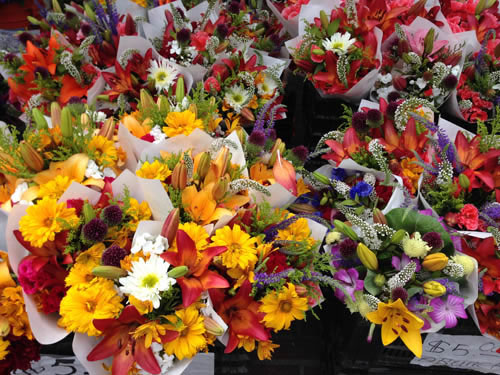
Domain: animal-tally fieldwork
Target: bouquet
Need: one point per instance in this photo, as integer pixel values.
(73, 145)
(244, 85)
(382, 137)
(57, 244)
(461, 182)
(420, 63)
(336, 54)
(55, 72)
(477, 90)
(402, 272)
(17, 344)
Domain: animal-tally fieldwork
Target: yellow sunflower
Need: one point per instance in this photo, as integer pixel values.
(55, 188)
(189, 323)
(103, 150)
(283, 307)
(154, 171)
(85, 302)
(3, 349)
(44, 220)
(241, 247)
(181, 123)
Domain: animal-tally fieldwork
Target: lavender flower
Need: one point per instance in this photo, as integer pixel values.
(399, 264)
(448, 311)
(262, 279)
(492, 210)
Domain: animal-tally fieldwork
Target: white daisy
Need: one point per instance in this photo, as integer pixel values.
(236, 98)
(147, 280)
(267, 87)
(149, 244)
(339, 43)
(163, 74)
(158, 134)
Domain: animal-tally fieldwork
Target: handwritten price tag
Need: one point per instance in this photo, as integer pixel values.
(476, 353)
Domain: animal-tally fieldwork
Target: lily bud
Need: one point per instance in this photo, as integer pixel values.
(399, 83)
(39, 119)
(203, 165)
(220, 188)
(241, 136)
(379, 217)
(163, 104)
(109, 272)
(302, 208)
(179, 176)
(179, 90)
(274, 153)
(318, 51)
(55, 113)
(367, 257)
(66, 123)
(464, 181)
(89, 12)
(212, 327)
(178, 272)
(4, 326)
(88, 212)
(434, 289)
(108, 129)
(345, 229)
(85, 119)
(56, 7)
(171, 225)
(398, 237)
(321, 178)
(31, 157)
(147, 101)
(247, 114)
(324, 20)
(222, 160)
(429, 42)
(33, 20)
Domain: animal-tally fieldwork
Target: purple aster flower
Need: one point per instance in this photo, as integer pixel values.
(338, 174)
(361, 189)
(448, 311)
(350, 282)
(399, 264)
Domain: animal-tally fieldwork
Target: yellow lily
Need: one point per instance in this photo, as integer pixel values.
(74, 168)
(201, 205)
(263, 175)
(135, 127)
(398, 321)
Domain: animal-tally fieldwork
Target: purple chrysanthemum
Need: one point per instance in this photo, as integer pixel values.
(112, 256)
(95, 230)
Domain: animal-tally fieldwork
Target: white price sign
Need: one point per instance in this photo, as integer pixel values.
(476, 353)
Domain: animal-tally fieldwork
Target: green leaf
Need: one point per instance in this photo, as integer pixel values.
(412, 221)
(348, 202)
(333, 27)
(414, 290)
(370, 283)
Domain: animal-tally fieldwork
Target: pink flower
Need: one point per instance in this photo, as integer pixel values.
(417, 43)
(317, 58)
(291, 11)
(211, 84)
(199, 40)
(468, 217)
(448, 311)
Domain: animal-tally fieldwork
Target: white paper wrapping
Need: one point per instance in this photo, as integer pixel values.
(291, 25)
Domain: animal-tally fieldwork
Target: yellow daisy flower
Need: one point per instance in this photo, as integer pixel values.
(297, 231)
(241, 247)
(154, 171)
(12, 309)
(189, 323)
(85, 302)
(152, 330)
(79, 274)
(247, 343)
(41, 223)
(181, 123)
(144, 307)
(283, 307)
(55, 188)
(196, 232)
(138, 212)
(104, 151)
(3, 349)
(92, 256)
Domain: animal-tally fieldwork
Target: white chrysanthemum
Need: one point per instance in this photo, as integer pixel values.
(149, 244)
(268, 87)
(158, 134)
(415, 246)
(147, 280)
(163, 74)
(236, 98)
(93, 171)
(339, 43)
(108, 172)
(333, 237)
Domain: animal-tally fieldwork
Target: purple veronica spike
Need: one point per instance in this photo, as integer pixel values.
(113, 18)
(448, 311)
(260, 121)
(350, 281)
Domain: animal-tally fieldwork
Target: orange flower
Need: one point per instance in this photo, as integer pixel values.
(135, 127)
(201, 205)
(260, 173)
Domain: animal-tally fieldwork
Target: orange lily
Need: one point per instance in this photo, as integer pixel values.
(198, 278)
(201, 205)
(284, 174)
(241, 313)
(118, 342)
(260, 173)
(74, 168)
(404, 144)
(340, 151)
(70, 87)
(34, 57)
(135, 127)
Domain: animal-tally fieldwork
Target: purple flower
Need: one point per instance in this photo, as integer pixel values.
(417, 305)
(361, 189)
(338, 174)
(448, 311)
(350, 282)
(399, 264)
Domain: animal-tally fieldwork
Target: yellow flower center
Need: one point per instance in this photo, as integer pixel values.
(285, 306)
(338, 45)
(237, 98)
(161, 76)
(150, 281)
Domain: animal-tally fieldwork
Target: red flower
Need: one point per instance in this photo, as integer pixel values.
(314, 57)
(276, 262)
(21, 352)
(468, 217)
(148, 138)
(199, 40)
(211, 84)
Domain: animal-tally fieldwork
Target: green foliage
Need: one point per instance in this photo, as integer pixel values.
(263, 215)
(489, 139)
(14, 165)
(442, 198)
